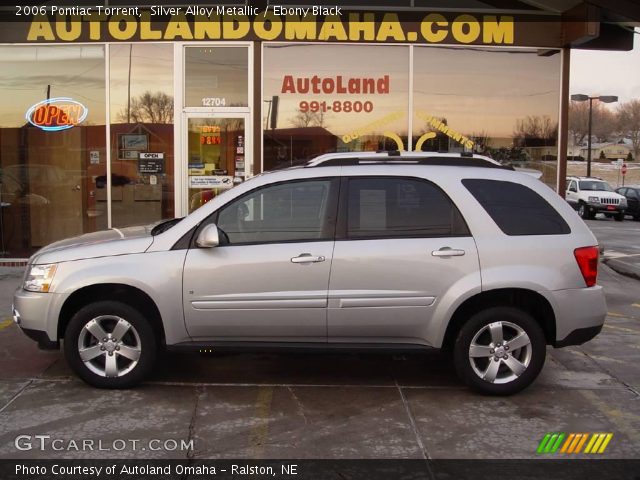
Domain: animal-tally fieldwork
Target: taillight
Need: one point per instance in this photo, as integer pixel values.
(587, 258)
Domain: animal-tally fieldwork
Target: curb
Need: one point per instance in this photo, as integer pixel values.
(13, 263)
(623, 268)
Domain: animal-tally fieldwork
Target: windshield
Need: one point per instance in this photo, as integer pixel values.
(164, 226)
(594, 185)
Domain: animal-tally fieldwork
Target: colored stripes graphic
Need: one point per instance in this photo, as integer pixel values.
(559, 442)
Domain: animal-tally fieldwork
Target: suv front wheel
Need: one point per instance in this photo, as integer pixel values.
(584, 212)
(500, 351)
(110, 344)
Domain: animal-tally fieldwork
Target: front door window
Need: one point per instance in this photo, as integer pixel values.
(290, 212)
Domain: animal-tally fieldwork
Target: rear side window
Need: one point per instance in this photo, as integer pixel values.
(383, 207)
(516, 209)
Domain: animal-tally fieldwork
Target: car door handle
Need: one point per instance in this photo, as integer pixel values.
(448, 252)
(307, 258)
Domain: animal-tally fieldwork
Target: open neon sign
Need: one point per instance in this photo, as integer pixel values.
(55, 114)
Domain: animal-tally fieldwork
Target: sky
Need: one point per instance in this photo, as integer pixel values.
(607, 73)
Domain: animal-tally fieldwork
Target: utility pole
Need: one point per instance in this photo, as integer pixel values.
(129, 85)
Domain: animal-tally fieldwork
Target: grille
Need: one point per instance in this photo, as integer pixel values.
(610, 201)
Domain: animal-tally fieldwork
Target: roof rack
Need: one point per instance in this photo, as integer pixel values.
(450, 161)
(582, 177)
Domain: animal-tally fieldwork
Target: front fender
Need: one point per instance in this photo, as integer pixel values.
(158, 274)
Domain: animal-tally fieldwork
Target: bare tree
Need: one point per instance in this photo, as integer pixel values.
(603, 121)
(308, 119)
(536, 129)
(629, 123)
(482, 140)
(149, 108)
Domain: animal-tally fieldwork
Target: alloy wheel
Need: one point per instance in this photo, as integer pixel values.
(109, 346)
(500, 352)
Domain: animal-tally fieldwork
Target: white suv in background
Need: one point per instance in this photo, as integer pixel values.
(591, 195)
(358, 251)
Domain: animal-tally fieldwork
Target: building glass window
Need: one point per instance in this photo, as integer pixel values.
(216, 77)
(502, 102)
(50, 161)
(321, 98)
(142, 116)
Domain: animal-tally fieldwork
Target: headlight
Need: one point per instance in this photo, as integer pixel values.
(623, 202)
(40, 277)
(594, 200)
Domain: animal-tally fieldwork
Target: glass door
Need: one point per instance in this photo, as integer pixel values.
(216, 149)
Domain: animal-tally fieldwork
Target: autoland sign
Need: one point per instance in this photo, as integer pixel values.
(133, 24)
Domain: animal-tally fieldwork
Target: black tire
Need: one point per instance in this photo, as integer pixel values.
(583, 211)
(139, 336)
(477, 325)
(619, 217)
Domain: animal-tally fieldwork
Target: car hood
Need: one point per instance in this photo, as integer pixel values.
(116, 241)
(604, 193)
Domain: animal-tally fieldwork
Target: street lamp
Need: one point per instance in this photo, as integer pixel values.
(578, 97)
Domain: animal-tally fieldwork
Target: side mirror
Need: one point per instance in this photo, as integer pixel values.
(573, 189)
(208, 237)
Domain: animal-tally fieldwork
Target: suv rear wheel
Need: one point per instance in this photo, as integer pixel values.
(110, 344)
(499, 351)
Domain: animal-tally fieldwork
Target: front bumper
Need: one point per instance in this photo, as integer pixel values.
(41, 337)
(603, 208)
(31, 311)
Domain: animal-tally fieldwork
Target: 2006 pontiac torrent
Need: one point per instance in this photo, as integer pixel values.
(388, 251)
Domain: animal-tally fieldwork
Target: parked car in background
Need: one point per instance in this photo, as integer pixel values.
(591, 195)
(632, 194)
(353, 251)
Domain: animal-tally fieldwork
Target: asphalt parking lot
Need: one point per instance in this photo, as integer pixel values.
(327, 406)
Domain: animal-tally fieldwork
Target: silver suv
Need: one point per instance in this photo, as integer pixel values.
(360, 251)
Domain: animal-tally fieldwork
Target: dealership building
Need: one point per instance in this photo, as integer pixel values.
(118, 116)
